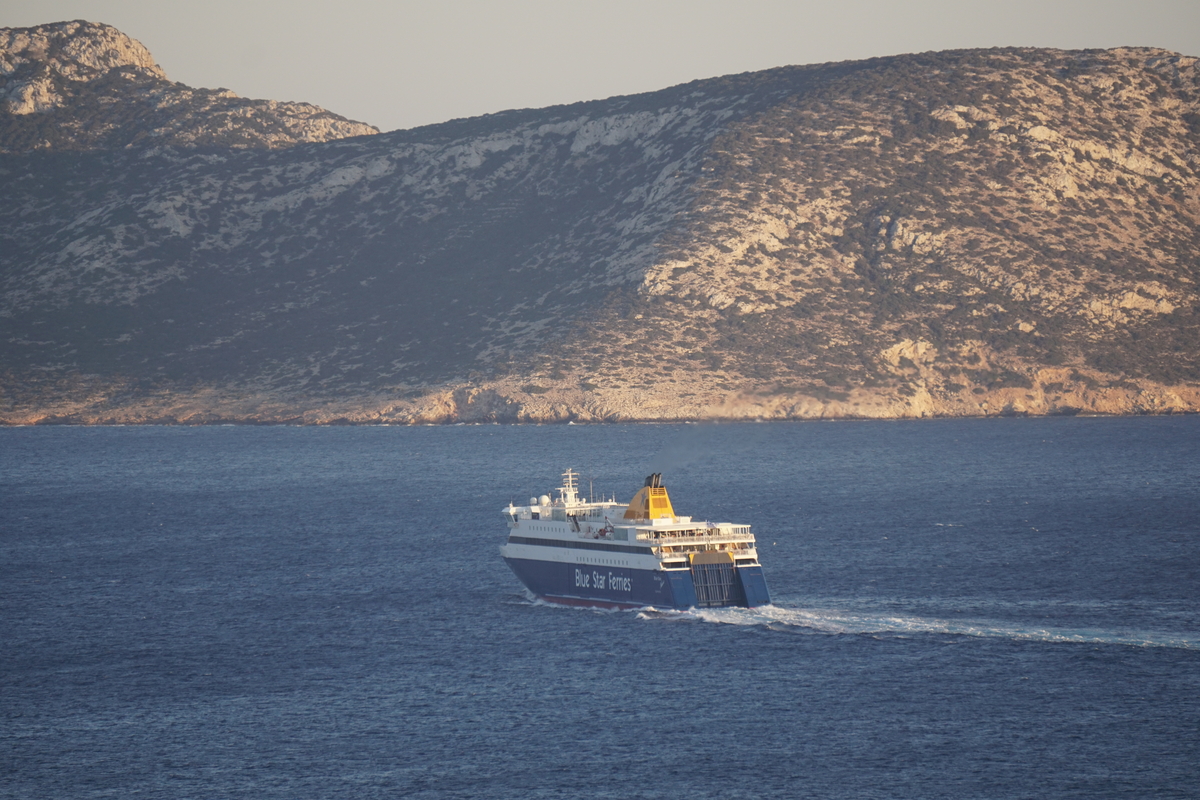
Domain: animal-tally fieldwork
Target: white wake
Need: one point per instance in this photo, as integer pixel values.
(840, 621)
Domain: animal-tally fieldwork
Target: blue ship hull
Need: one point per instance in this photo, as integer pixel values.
(621, 587)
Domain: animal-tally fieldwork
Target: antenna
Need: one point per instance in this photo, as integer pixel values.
(568, 492)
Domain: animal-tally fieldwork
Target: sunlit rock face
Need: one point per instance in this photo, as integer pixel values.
(963, 233)
(87, 86)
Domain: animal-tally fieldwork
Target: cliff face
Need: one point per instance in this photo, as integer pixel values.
(976, 232)
(86, 86)
(957, 233)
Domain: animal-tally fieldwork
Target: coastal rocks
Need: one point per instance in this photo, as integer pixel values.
(471, 404)
(1053, 392)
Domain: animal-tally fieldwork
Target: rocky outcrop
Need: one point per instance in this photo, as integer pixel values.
(49, 55)
(990, 232)
(86, 86)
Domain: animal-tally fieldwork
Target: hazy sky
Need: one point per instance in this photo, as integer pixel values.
(401, 64)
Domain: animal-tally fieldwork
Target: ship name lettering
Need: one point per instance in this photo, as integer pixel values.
(599, 580)
(617, 583)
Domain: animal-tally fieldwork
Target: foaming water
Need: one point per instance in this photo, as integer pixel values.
(528, 598)
(841, 621)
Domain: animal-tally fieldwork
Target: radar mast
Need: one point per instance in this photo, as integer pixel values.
(569, 492)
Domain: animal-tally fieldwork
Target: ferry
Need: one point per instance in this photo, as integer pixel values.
(608, 554)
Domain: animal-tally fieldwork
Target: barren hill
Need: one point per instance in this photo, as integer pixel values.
(961, 233)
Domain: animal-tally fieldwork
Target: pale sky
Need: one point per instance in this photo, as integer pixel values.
(401, 64)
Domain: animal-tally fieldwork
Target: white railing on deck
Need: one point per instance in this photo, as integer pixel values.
(683, 537)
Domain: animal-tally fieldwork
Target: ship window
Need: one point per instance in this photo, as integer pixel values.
(535, 515)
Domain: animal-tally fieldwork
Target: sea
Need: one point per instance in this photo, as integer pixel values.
(977, 608)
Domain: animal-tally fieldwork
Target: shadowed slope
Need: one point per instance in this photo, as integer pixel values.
(1005, 231)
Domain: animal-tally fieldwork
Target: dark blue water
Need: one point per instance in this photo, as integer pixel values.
(980, 608)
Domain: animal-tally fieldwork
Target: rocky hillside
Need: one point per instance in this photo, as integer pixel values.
(962, 233)
(86, 86)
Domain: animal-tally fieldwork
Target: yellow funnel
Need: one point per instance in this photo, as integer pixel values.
(651, 501)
